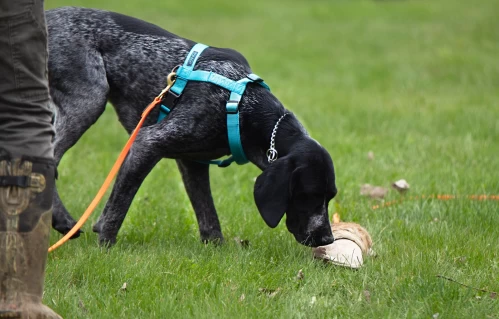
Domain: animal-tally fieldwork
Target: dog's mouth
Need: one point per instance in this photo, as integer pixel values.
(313, 232)
(312, 240)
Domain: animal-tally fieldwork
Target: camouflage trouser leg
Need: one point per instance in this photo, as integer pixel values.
(27, 170)
(25, 117)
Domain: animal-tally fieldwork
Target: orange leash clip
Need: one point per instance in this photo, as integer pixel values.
(114, 170)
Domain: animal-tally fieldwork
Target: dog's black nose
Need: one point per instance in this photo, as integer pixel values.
(315, 241)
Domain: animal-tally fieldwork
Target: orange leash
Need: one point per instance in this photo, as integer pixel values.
(440, 197)
(116, 166)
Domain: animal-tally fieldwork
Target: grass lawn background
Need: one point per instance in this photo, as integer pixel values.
(415, 82)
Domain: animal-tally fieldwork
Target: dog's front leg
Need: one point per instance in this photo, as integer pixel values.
(196, 179)
(139, 162)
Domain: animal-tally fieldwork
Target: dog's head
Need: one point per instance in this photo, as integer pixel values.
(300, 184)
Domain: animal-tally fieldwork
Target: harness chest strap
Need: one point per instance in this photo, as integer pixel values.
(187, 73)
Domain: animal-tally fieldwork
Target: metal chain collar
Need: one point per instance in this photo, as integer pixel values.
(272, 154)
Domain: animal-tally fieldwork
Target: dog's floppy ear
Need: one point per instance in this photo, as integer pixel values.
(272, 191)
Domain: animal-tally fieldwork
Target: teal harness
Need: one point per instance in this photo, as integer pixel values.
(186, 73)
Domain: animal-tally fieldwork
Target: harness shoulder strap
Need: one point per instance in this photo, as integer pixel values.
(183, 72)
(182, 77)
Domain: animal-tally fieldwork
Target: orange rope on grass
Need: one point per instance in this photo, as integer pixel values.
(115, 168)
(442, 197)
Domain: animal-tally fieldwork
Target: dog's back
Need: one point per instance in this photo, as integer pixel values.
(115, 57)
(121, 59)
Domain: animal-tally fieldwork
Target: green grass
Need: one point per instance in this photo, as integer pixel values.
(416, 82)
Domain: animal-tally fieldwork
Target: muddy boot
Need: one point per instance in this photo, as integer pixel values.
(26, 189)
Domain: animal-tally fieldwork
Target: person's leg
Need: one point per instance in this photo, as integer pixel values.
(25, 117)
(27, 169)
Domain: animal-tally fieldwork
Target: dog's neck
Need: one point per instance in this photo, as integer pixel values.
(258, 122)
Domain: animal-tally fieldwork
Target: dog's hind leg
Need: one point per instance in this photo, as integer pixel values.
(76, 110)
(197, 184)
(140, 160)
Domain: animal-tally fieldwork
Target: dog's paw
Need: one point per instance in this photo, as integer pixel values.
(107, 235)
(214, 237)
(107, 242)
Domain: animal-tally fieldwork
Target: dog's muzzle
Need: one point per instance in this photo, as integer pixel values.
(314, 241)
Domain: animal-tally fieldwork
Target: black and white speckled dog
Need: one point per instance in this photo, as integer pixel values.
(98, 56)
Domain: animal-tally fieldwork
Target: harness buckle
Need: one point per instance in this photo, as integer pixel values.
(232, 107)
(254, 78)
(169, 99)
